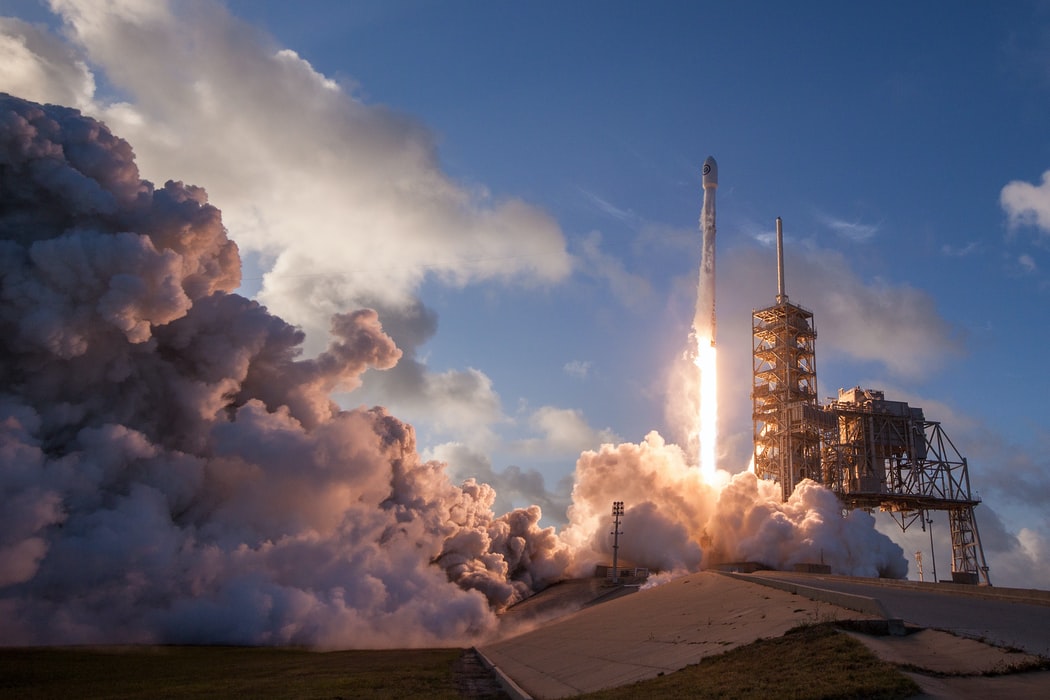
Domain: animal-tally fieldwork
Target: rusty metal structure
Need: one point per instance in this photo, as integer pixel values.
(787, 418)
(872, 452)
(786, 414)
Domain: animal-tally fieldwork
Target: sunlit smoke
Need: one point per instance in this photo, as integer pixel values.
(174, 471)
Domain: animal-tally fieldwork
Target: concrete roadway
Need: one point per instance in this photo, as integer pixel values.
(981, 613)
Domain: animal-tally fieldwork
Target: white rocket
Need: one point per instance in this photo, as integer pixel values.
(704, 322)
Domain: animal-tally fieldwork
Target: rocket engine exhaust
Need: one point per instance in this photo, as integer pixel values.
(705, 325)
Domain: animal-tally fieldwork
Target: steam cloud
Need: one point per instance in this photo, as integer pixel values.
(173, 470)
(723, 519)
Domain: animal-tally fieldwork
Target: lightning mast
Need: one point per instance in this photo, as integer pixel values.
(786, 418)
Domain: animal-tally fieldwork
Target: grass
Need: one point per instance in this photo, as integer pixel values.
(813, 661)
(808, 663)
(117, 673)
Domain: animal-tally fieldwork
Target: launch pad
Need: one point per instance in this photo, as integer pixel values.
(872, 452)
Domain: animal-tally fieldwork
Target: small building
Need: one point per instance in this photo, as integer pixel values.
(632, 573)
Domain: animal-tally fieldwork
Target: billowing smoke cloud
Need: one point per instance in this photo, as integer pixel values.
(346, 199)
(677, 520)
(338, 202)
(172, 470)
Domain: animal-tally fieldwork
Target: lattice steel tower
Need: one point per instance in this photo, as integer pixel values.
(871, 452)
(886, 455)
(787, 420)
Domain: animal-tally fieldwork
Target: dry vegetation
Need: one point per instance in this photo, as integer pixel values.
(814, 661)
(225, 672)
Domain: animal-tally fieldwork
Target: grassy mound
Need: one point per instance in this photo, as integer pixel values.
(808, 663)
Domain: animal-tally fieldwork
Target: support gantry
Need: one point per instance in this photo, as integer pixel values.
(871, 452)
(888, 456)
(786, 417)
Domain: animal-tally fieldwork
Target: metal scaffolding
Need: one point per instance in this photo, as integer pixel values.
(872, 452)
(888, 456)
(785, 414)
(786, 418)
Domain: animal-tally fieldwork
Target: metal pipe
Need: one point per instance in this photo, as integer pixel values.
(933, 552)
(781, 296)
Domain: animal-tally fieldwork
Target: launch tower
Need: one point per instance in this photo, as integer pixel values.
(871, 452)
(886, 455)
(787, 419)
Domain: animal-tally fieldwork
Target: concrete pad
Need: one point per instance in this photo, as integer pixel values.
(959, 665)
(944, 653)
(1017, 686)
(658, 630)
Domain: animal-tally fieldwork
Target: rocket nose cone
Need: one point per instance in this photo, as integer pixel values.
(710, 173)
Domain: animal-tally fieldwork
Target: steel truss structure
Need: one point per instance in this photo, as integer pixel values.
(872, 452)
(886, 455)
(785, 413)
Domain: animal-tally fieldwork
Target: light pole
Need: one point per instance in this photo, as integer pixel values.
(933, 554)
(617, 512)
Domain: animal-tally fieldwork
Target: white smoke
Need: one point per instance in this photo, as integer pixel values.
(675, 520)
(346, 199)
(172, 471)
(337, 202)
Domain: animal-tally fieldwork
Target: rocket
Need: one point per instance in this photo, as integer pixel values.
(704, 323)
(710, 177)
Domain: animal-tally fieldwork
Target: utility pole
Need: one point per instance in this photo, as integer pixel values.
(617, 512)
(933, 553)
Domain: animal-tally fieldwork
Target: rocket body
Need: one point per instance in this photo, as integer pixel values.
(704, 324)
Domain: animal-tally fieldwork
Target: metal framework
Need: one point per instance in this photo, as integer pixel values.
(872, 452)
(786, 417)
(888, 456)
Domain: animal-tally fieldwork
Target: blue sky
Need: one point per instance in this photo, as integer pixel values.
(883, 133)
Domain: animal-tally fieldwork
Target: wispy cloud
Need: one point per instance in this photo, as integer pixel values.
(608, 208)
(630, 289)
(856, 314)
(851, 230)
(563, 431)
(579, 369)
(960, 251)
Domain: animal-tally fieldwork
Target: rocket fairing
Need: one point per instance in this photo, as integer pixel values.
(710, 174)
(704, 324)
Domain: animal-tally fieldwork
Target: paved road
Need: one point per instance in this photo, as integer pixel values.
(1006, 623)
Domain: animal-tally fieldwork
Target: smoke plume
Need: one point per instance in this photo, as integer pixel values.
(681, 519)
(172, 471)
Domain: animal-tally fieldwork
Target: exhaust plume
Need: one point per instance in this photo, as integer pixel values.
(705, 356)
(679, 519)
(172, 471)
